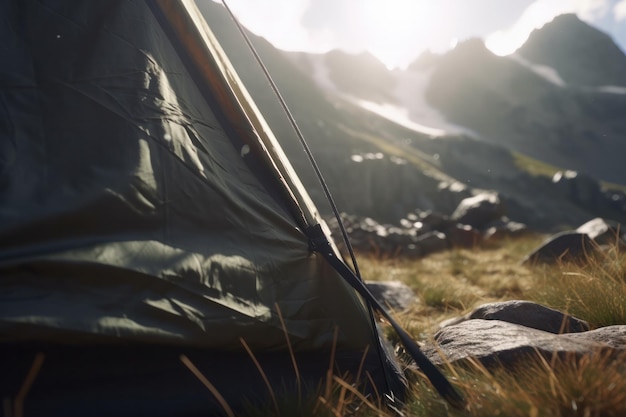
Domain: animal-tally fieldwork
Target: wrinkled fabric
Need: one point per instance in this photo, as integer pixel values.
(127, 210)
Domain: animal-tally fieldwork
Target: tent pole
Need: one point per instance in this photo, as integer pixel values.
(320, 244)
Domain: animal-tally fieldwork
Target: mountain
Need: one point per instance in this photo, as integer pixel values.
(355, 75)
(517, 101)
(582, 55)
(512, 103)
(392, 142)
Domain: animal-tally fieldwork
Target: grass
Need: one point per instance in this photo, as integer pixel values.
(593, 385)
(451, 283)
(539, 168)
(594, 290)
(406, 152)
(534, 166)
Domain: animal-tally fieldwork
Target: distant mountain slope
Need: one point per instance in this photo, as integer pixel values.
(381, 167)
(336, 130)
(362, 73)
(508, 103)
(524, 105)
(581, 54)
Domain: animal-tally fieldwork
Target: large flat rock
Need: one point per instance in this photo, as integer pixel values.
(525, 313)
(495, 341)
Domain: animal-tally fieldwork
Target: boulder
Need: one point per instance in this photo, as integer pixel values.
(564, 246)
(480, 210)
(496, 342)
(524, 313)
(393, 294)
(613, 336)
(603, 232)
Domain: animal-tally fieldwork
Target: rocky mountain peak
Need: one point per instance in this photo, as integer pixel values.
(581, 54)
(472, 45)
(363, 59)
(468, 56)
(354, 73)
(424, 61)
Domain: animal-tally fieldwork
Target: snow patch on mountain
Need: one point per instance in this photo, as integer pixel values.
(411, 109)
(407, 105)
(410, 92)
(399, 115)
(612, 89)
(544, 71)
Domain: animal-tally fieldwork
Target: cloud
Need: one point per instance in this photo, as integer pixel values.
(357, 25)
(619, 11)
(279, 21)
(591, 10)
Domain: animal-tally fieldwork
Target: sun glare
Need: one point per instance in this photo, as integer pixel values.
(505, 42)
(393, 25)
(392, 17)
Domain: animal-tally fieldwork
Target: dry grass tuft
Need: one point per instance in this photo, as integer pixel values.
(591, 386)
(451, 283)
(593, 290)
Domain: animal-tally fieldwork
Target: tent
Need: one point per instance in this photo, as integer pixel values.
(148, 212)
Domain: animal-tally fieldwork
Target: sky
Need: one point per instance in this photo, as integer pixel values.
(398, 31)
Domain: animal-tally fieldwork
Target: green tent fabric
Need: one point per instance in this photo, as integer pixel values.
(145, 206)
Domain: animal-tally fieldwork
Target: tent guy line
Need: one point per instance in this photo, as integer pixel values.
(321, 244)
(299, 134)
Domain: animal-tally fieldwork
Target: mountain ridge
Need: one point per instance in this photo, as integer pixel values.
(383, 167)
(526, 106)
(581, 54)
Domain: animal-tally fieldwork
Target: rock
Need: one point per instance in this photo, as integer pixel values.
(479, 211)
(497, 342)
(393, 294)
(565, 246)
(463, 236)
(432, 220)
(603, 232)
(524, 313)
(450, 194)
(579, 188)
(504, 228)
(431, 242)
(409, 239)
(613, 336)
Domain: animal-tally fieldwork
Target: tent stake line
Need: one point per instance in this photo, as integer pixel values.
(320, 244)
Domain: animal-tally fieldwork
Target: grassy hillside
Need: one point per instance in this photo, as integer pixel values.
(536, 167)
(449, 284)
